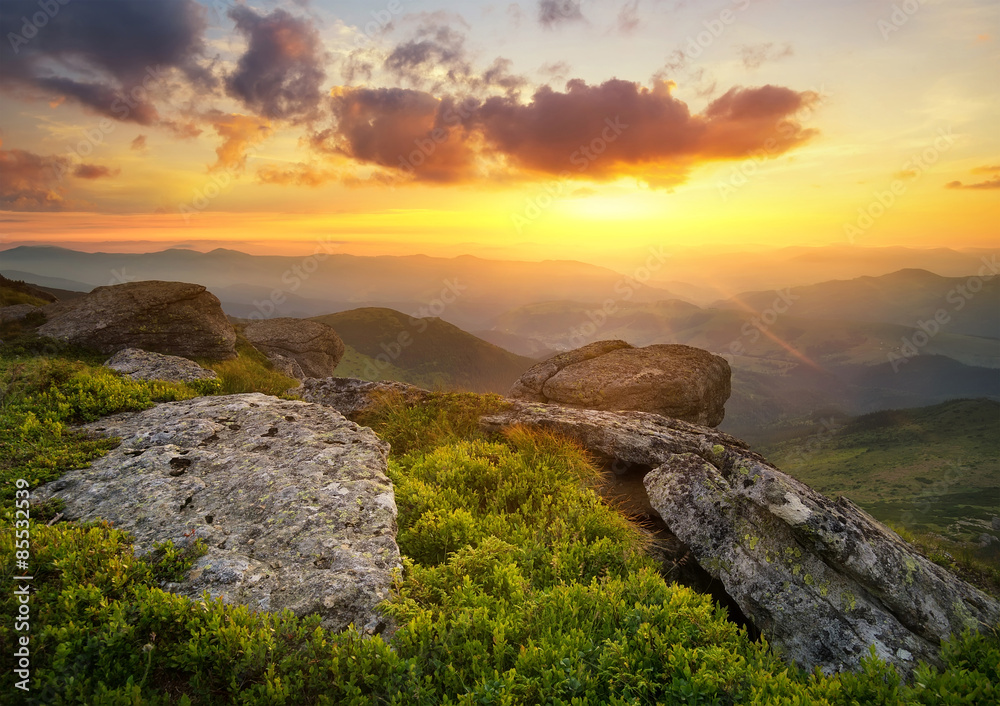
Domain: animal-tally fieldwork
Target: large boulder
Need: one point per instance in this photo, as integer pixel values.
(673, 380)
(17, 312)
(175, 318)
(821, 578)
(300, 348)
(351, 396)
(292, 500)
(144, 365)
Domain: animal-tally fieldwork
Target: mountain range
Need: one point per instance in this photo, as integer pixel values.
(903, 338)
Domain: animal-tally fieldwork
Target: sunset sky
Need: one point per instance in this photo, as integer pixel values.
(540, 129)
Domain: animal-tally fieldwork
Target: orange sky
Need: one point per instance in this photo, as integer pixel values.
(520, 131)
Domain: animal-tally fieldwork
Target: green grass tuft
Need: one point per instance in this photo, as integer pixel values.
(250, 371)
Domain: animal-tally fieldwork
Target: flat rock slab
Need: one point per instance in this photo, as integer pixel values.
(291, 498)
(144, 365)
(821, 578)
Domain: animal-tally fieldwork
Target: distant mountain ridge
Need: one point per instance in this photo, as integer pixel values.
(467, 291)
(905, 297)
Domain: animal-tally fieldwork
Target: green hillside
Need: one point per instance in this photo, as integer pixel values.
(14, 292)
(931, 469)
(519, 587)
(385, 344)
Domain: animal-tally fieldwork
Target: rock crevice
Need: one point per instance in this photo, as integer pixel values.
(821, 578)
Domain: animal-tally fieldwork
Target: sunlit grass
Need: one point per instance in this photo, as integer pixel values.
(250, 371)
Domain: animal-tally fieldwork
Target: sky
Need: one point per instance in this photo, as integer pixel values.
(543, 129)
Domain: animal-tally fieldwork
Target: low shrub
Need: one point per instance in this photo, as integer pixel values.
(519, 587)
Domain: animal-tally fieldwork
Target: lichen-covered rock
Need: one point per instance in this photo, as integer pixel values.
(17, 312)
(291, 498)
(820, 578)
(298, 347)
(175, 318)
(673, 380)
(350, 396)
(144, 365)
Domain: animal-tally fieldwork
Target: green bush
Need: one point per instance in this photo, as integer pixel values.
(519, 587)
(43, 397)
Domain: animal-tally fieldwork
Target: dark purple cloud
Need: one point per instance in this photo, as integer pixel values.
(602, 132)
(111, 56)
(281, 74)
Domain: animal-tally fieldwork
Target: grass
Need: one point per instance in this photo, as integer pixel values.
(520, 587)
(14, 292)
(11, 297)
(250, 371)
(931, 469)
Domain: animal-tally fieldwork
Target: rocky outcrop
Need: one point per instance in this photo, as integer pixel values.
(17, 312)
(143, 365)
(292, 500)
(820, 578)
(164, 317)
(300, 348)
(673, 380)
(350, 396)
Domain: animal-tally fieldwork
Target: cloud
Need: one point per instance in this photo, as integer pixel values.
(138, 144)
(410, 132)
(552, 13)
(906, 174)
(238, 133)
(598, 132)
(436, 59)
(32, 182)
(280, 75)
(555, 70)
(755, 55)
(499, 75)
(992, 183)
(628, 17)
(634, 131)
(94, 171)
(113, 56)
(515, 15)
(298, 174)
(435, 46)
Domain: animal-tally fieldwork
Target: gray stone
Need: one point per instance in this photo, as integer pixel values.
(673, 380)
(17, 312)
(292, 500)
(350, 396)
(175, 318)
(144, 365)
(300, 348)
(820, 578)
